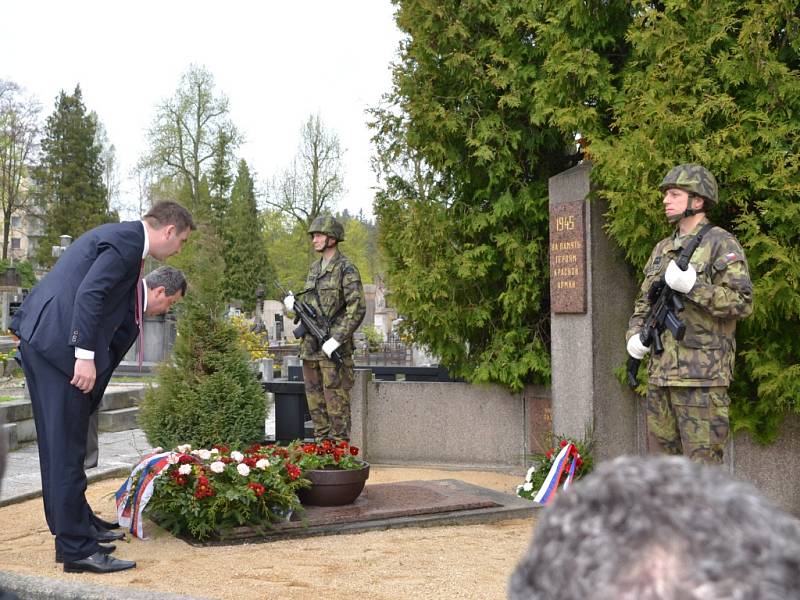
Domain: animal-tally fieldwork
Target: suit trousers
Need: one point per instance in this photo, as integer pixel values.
(61, 414)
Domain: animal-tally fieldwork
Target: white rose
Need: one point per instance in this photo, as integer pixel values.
(214, 451)
(204, 454)
(217, 466)
(527, 486)
(262, 463)
(237, 456)
(185, 469)
(172, 458)
(184, 448)
(243, 469)
(531, 471)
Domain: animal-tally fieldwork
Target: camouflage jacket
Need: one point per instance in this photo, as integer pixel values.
(721, 295)
(338, 297)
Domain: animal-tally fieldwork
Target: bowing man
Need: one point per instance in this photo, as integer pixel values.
(74, 328)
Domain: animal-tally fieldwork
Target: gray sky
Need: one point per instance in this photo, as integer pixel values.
(278, 62)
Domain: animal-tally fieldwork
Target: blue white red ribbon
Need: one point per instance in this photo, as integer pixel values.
(550, 486)
(132, 502)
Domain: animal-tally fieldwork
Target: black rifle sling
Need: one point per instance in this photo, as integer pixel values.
(687, 252)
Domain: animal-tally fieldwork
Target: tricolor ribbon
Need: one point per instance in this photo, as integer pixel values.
(132, 502)
(550, 486)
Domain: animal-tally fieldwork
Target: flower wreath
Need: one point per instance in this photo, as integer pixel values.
(565, 462)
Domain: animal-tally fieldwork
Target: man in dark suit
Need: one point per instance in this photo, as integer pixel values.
(157, 288)
(74, 328)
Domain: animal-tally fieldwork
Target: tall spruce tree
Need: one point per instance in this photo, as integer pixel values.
(246, 262)
(219, 176)
(69, 184)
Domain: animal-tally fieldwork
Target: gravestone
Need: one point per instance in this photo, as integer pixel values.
(276, 328)
(591, 297)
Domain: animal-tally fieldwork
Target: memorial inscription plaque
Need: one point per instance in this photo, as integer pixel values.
(567, 257)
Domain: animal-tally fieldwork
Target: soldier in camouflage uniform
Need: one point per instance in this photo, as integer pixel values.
(333, 289)
(687, 397)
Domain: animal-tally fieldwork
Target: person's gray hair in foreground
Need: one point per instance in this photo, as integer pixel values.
(660, 529)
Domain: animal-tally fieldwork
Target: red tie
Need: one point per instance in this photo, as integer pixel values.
(138, 315)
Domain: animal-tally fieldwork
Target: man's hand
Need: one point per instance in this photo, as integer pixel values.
(680, 281)
(288, 302)
(85, 375)
(636, 348)
(330, 346)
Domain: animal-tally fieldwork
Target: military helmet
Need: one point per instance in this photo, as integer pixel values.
(329, 226)
(693, 179)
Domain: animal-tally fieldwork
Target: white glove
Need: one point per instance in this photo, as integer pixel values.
(288, 302)
(680, 281)
(330, 346)
(636, 348)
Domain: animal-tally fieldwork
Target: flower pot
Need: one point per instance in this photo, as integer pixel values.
(334, 487)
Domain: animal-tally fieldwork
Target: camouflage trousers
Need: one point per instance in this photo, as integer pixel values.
(692, 421)
(328, 396)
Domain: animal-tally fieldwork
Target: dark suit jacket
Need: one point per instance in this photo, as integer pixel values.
(87, 300)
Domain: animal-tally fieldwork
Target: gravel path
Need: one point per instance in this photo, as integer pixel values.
(469, 561)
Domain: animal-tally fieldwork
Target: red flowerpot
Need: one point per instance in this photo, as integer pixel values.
(334, 487)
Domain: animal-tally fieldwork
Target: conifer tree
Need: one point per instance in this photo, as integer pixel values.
(219, 176)
(69, 178)
(208, 394)
(246, 262)
(487, 104)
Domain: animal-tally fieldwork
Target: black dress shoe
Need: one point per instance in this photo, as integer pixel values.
(98, 563)
(105, 524)
(104, 549)
(105, 536)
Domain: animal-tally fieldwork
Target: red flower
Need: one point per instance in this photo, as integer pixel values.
(293, 471)
(226, 459)
(549, 454)
(327, 444)
(181, 480)
(250, 462)
(222, 449)
(342, 444)
(563, 443)
(185, 459)
(353, 450)
(257, 488)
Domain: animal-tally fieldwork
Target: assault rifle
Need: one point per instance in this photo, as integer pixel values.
(665, 306)
(308, 322)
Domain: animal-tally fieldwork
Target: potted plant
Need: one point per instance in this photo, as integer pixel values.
(206, 492)
(336, 473)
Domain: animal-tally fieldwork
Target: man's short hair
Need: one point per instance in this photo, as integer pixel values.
(660, 529)
(170, 213)
(171, 278)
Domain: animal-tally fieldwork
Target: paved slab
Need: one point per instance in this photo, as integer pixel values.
(392, 505)
(119, 451)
